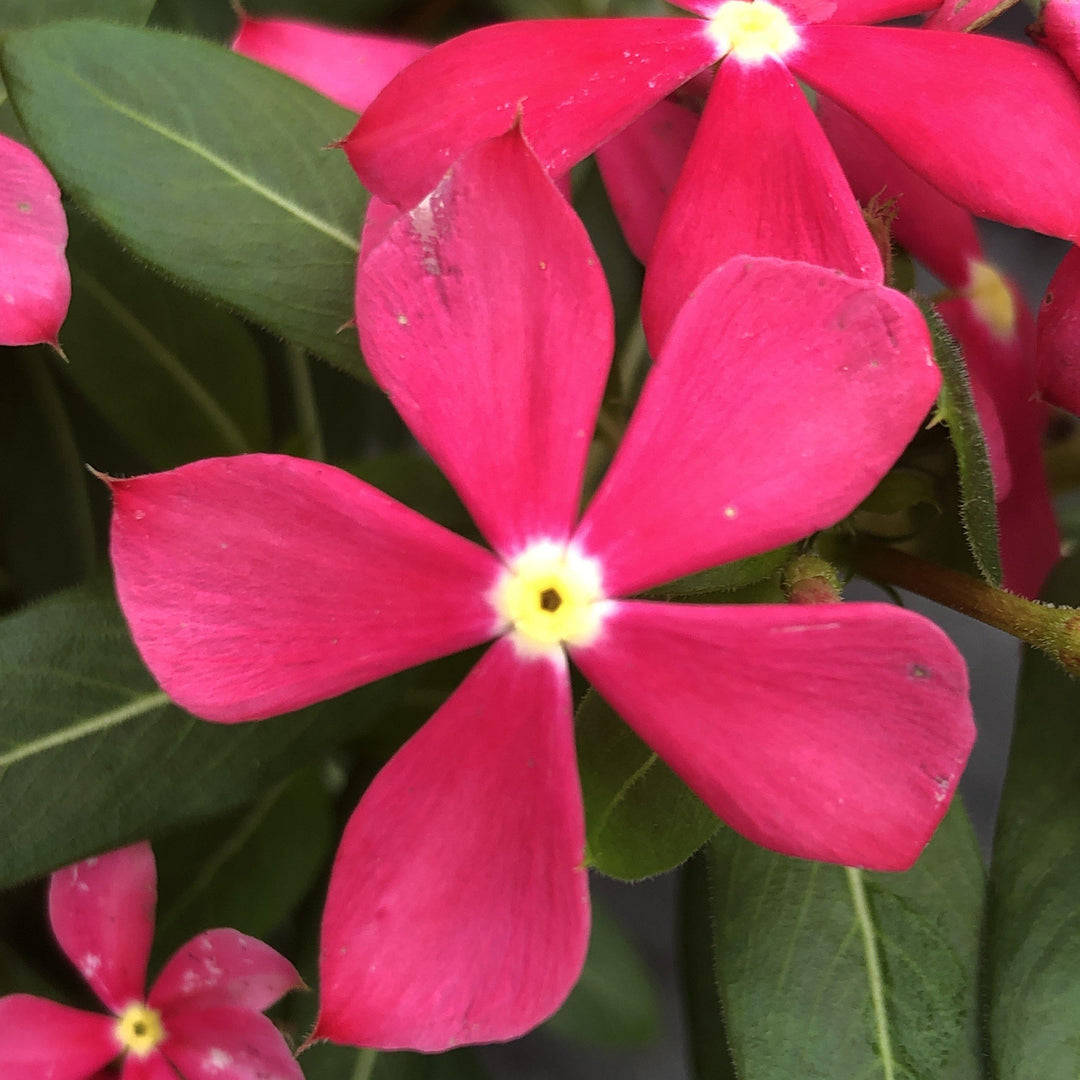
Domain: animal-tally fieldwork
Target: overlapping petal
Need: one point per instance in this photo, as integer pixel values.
(77, 1045)
(258, 584)
(458, 905)
(1058, 28)
(966, 15)
(760, 179)
(153, 1067)
(348, 67)
(1058, 353)
(223, 967)
(486, 318)
(102, 913)
(943, 102)
(572, 82)
(35, 286)
(834, 732)
(211, 1044)
(727, 453)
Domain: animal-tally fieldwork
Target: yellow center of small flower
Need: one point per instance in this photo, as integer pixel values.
(992, 299)
(752, 31)
(548, 595)
(139, 1029)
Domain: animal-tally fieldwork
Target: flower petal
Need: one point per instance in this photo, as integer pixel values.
(963, 16)
(875, 11)
(262, 583)
(40, 1039)
(102, 913)
(938, 98)
(726, 454)
(640, 166)
(212, 1044)
(1059, 336)
(761, 179)
(154, 1066)
(347, 67)
(486, 318)
(223, 967)
(933, 228)
(834, 732)
(1058, 28)
(458, 909)
(573, 82)
(35, 286)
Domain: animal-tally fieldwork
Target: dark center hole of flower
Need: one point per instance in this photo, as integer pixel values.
(139, 1027)
(550, 600)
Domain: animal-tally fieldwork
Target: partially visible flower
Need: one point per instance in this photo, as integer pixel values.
(1058, 29)
(458, 906)
(1059, 336)
(202, 1018)
(35, 286)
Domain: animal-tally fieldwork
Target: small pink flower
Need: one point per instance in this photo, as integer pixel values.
(458, 907)
(35, 286)
(202, 1018)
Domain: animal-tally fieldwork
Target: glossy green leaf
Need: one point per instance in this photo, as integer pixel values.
(1033, 938)
(614, 1002)
(93, 755)
(956, 407)
(177, 376)
(204, 163)
(248, 870)
(827, 972)
(18, 14)
(640, 818)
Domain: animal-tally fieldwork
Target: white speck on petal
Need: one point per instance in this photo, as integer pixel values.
(90, 963)
(218, 1059)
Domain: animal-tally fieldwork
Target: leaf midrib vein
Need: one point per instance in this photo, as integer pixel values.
(873, 970)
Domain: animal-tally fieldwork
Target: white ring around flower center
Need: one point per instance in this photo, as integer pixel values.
(548, 595)
(751, 31)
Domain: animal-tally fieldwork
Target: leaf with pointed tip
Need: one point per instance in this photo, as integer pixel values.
(1033, 921)
(640, 818)
(211, 167)
(177, 376)
(19, 14)
(94, 756)
(956, 407)
(825, 971)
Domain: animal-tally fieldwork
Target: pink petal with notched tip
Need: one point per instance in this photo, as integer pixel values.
(458, 909)
(834, 732)
(726, 454)
(254, 585)
(228, 1042)
(486, 318)
(933, 228)
(1058, 28)
(347, 67)
(223, 967)
(761, 179)
(35, 286)
(155, 1066)
(40, 1040)
(1058, 350)
(102, 913)
(574, 83)
(640, 166)
(944, 103)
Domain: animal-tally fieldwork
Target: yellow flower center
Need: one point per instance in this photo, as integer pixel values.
(139, 1030)
(752, 31)
(548, 595)
(992, 299)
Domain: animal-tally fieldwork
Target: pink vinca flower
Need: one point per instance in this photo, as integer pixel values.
(993, 326)
(35, 286)
(760, 177)
(458, 907)
(1059, 336)
(202, 1018)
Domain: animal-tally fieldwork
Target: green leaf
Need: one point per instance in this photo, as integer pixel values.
(93, 755)
(247, 871)
(829, 972)
(20, 14)
(614, 1002)
(204, 163)
(1033, 938)
(326, 1062)
(732, 575)
(179, 378)
(956, 407)
(640, 818)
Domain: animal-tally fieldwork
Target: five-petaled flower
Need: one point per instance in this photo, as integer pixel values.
(458, 907)
(202, 1018)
